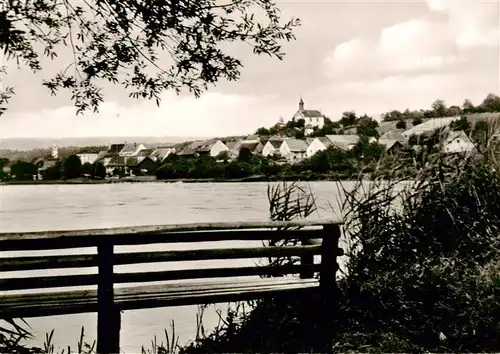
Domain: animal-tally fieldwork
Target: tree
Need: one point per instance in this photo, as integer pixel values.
(348, 119)
(401, 124)
(299, 134)
(262, 131)
(72, 167)
(98, 170)
(3, 163)
(301, 123)
(413, 140)
(439, 108)
(461, 124)
(111, 37)
(480, 131)
(223, 156)
(467, 106)
(23, 170)
(491, 103)
(392, 115)
(87, 169)
(53, 172)
(454, 111)
(417, 121)
(367, 126)
(244, 155)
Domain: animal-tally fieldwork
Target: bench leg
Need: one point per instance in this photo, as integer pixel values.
(108, 314)
(328, 284)
(108, 332)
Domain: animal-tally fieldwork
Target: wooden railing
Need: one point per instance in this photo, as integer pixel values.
(317, 238)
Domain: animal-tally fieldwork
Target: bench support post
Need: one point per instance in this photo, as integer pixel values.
(108, 315)
(328, 283)
(306, 260)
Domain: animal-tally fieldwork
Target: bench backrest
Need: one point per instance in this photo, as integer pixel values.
(106, 258)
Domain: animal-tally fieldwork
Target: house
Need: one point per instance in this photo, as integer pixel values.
(317, 144)
(390, 138)
(293, 149)
(114, 149)
(252, 138)
(272, 147)
(103, 157)
(310, 116)
(88, 155)
(116, 163)
(254, 147)
(188, 149)
(233, 146)
(131, 149)
(344, 142)
(457, 142)
(39, 161)
(46, 164)
(162, 152)
(145, 153)
(394, 146)
(211, 147)
(308, 129)
(141, 165)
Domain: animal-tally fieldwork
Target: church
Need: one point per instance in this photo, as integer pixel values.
(312, 117)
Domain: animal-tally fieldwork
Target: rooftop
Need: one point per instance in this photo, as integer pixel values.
(296, 145)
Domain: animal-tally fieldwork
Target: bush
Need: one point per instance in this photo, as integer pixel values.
(401, 124)
(72, 167)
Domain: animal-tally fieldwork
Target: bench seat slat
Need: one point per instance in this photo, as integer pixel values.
(59, 303)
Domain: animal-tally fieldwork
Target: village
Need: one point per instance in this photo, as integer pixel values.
(300, 138)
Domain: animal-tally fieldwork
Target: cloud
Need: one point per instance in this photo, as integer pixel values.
(213, 114)
(401, 91)
(411, 47)
(421, 45)
(472, 23)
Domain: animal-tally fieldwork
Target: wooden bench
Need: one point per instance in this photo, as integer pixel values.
(316, 238)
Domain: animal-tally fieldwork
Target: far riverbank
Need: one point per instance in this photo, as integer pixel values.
(146, 179)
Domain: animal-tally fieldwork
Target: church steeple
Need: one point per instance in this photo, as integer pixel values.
(301, 104)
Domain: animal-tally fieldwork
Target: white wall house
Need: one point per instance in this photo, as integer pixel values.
(316, 145)
(311, 117)
(212, 147)
(162, 152)
(87, 156)
(272, 147)
(458, 142)
(293, 149)
(131, 149)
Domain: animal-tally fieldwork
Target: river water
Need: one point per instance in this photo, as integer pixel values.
(66, 207)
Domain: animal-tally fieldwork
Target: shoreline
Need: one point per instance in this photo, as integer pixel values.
(148, 179)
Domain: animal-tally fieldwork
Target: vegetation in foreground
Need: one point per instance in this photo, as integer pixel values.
(421, 274)
(421, 269)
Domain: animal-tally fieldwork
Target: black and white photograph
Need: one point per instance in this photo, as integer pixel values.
(249, 176)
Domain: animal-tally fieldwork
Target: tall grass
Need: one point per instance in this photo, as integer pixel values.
(422, 268)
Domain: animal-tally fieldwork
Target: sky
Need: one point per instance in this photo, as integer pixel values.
(366, 56)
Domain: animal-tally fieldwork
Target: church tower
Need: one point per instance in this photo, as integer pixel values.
(55, 152)
(301, 104)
